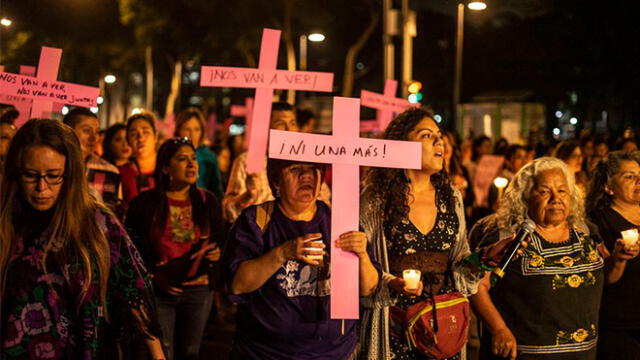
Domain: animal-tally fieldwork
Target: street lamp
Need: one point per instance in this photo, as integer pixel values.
(477, 6)
(5, 22)
(110, 79)
(313, 37)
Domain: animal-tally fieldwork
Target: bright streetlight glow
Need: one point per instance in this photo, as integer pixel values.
(316, 37)
(477, 5)
(437, 118)
(136, 111)
(413, 98)
(556, 131)
(558, 114)
(93, 110)
(65, 110)
(110, 79)
(5, 22)
(573, 121)
(100, 100)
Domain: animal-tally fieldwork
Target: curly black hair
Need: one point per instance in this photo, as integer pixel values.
(391, 186)
(598, 198)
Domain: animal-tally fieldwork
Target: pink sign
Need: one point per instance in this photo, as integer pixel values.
(245, 111)
(386, 103)
(264, 79)
(369, 126)
(44, 90)
(488, 168)
(346, 151)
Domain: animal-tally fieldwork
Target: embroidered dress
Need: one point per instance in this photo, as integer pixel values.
(550, 298)
(39, 316)
(430, 253)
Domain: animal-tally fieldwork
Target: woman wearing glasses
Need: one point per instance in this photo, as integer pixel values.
(72, 284)
(177, 226)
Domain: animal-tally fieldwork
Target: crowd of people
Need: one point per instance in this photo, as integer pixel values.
(116, 245)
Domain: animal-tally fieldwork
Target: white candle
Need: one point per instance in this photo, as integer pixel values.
(629, 237)
(500, 182)
(314, 257)
(411, 278)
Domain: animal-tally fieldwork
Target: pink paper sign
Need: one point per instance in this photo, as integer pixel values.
(349, 151)
(21, 104)
(387, 103)
(43, 90)
(487, 170)
(264, 79)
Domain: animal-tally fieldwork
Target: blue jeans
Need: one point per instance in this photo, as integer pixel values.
(182, 319)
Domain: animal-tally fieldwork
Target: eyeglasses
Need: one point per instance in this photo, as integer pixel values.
(34, 178)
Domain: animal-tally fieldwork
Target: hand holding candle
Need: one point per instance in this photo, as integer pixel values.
(411, 278)
(629, 237)
(314, 248)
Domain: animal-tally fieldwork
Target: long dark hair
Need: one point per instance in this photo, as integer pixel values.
(74, 215)
(162, 182)
(597, 198)
(391, 186)
(108, 138)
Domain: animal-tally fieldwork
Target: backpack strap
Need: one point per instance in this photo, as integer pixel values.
(263, 214)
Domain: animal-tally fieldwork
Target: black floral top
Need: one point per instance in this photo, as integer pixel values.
(40, 318)
(430, 253)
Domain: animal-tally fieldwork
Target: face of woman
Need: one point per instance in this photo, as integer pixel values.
(224, 159)
(41, 176)
(298, 183)
(625, 185)
(191, 129)
(183, 167)
(550, 198)
(120, 147)
(575, 160)
(88, 131)
(142, 139)
(428, 133)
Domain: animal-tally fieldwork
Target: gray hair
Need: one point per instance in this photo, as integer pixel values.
(513, 209)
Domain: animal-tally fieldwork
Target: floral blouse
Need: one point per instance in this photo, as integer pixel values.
(40, 315)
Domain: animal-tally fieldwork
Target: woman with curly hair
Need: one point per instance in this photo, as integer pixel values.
(614, 206)
(546, 304)
(413, 218)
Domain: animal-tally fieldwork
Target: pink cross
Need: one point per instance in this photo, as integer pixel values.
(245, 111)
(386, 103)
(264, 79)
(346, 151)
(44, 90)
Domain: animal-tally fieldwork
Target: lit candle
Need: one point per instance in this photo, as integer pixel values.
(500, 183)
(411, 278)
(314, 257)
(629, 237)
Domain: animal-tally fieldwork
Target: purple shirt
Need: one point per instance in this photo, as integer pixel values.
(288, 317)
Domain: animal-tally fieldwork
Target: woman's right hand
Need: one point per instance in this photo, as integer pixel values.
(296, 249)
(399, 285)
(504, 344)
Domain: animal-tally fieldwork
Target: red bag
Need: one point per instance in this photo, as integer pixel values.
(440, 332)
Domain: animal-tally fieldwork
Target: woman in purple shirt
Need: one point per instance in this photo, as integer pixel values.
(277, 268)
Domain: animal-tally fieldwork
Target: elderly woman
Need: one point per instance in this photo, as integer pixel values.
(614, 206)
(278, 272)
(546, 305)
(415, 220)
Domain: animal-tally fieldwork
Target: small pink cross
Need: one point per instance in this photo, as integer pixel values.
(346, 151)
(264, 79)
(386, 103)
(245, 111)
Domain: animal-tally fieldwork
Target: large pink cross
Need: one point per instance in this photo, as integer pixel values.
(44, 90)
(264, 79)
(346, 151)
(387, 103)
(245, 111)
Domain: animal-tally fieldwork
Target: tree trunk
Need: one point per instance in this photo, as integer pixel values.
(176, 80)
(288, 40)
(352, 54)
